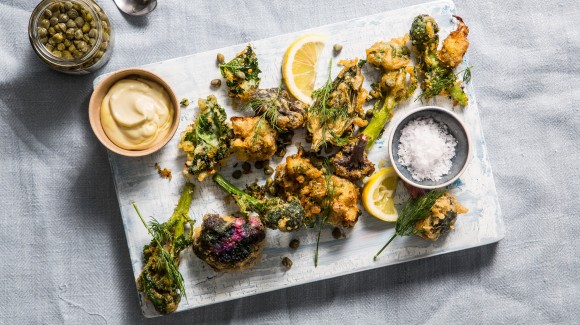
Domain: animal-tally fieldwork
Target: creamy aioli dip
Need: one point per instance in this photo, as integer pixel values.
(135, 113)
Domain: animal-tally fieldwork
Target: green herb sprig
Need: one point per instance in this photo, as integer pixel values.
(413, 211)
(268, 110)
(326, 205)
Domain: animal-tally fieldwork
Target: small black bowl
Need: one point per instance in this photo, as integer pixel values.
(454, 126)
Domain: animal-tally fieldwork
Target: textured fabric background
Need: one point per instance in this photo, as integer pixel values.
(63, 256)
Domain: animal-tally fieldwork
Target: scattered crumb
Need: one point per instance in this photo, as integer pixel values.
(184, 102)
(165, 172)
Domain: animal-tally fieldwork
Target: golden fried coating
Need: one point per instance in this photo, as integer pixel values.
(290, 113)
(441, 219)
(313, 187)
(254, 139)
(391, 55)
(455, 46)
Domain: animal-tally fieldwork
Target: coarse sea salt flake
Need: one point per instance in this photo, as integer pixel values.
(426, 149)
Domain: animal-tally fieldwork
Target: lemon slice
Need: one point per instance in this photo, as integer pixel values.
(378, 193)
(299, 65)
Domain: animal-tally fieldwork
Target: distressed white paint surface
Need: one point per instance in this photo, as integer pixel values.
(136, 179)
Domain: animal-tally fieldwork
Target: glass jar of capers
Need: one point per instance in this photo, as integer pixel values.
(72, 36)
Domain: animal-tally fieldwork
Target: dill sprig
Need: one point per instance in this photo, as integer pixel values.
(413, 211)
(326, 203)
(161, 233)
(267, 108)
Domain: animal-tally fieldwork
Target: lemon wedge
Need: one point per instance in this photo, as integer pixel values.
(299, 65)
(378, 193)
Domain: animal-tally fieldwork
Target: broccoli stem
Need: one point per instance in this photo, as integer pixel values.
(458, 94)
(180, 217)
(380, 119)
(230, 188)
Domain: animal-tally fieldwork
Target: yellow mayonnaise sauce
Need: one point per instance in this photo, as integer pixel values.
(135, 113)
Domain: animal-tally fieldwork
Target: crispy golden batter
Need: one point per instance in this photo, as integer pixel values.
(441, 219)
(254, 139)
(299, 178)
(391, 55)
(455, 46)
(290, 113)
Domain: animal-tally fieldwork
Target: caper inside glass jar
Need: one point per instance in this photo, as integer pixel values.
(71, 36)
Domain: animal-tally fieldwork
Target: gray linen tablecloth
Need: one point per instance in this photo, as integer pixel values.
(63, 256)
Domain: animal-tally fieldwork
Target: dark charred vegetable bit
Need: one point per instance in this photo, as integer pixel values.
(207, 141)
(436, 67)
(294, 243)
(229, 244)
(242, 74)
(275, 213)
(287, 262)
(337, 107)
(428, 216)
(160, 279)
(351, 161)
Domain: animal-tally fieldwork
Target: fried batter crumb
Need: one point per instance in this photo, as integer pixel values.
(163, 172)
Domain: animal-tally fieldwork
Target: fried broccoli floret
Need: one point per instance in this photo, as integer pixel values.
(351, 161)
(436, 67)
(441, 218)
(282, 111)
(229, 244)
(207, 141)
(275, 213)
(242, 74)
(254, 138)
(337, 107)
(160, 280)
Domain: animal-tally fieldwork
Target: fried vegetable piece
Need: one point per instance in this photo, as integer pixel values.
(254, 139)
(160, 280)
(318, 191)
(435, 67)
(441, 218)
(242, 74)
(284, 113)
(207, 141)
(275, 213)
(229, 244)
(398, 82)
(337, 107)
(429, 216)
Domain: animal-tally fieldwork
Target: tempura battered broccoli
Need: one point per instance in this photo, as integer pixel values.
(398, 82)
(283, 113)
(207, 141)
(160, 279)
(254, 138)
(242, 74)
(275, 213)
(436, 67)
(337, 107)
(229, 244)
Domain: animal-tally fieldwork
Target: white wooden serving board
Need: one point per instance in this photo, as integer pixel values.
(189, 76)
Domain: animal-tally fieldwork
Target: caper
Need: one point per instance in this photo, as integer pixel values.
(42, 32)
(49, 47)
(86, 37)
(60, 47)
(47, 13)
(93, 33)
(92, 41)
(72, 48)
(93, 24)
(370, 112)
(53, 7)
(89, 17)
(99, 54)
(61, 7)
(72, 14)
(105, 37)
(337, 47)
(57, 53)
(237, 174)
(44, 40)
(61, 27)
(246, 166)
(269, 170)
(336, 233)
(57, 38)
(281, 153)
(104, 45)
(287, 262)
(79, 21)
(67, 43)
(77, 54)
(53, 21)
(71, 24)
(76, 6)
(83, 46)
(240, 75)
(63, 18)
(68, 5)
(67, 55)
(216, 83)
(105, 25)
(220, 58)
(259, 164)
(294, 243)
(78, 34)
(86, 28)
(70, 33)
(102, 15)
(45, 23)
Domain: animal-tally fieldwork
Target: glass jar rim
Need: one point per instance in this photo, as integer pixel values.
(41, 49)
